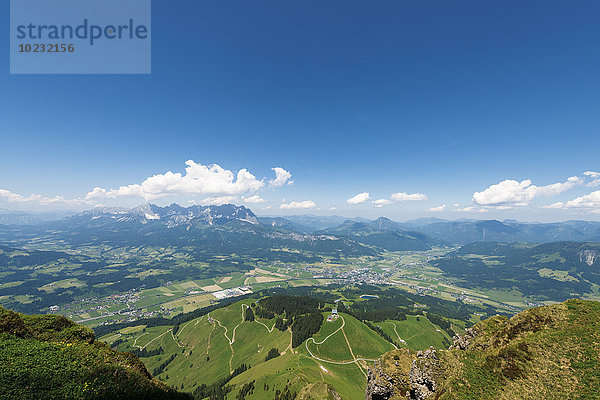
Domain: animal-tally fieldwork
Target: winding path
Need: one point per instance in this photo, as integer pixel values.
(399, 338)
(159, 336)
(232, 340)
(136, 339)
(268, 329)
(355, 360)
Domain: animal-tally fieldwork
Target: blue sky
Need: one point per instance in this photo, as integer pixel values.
(439, 99)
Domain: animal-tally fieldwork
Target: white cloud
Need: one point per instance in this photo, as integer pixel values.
(471, 209)
(359, 198)
(381, 202)
(595, 178)
(510, 193)
(219, 200)
(266, 208)
(253, 199)
(282, 177)
(557, 188)
(332, 208)
(297, 205)
(438, 209)
(408, 197)
(39, 199)
(398, 197)
(503, 207)
(587, 201)
(198, 179)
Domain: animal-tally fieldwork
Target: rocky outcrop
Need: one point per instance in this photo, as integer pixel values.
(318, 391)
(404, 375)
(380, 386)
(589, 256)
(401, 374)
(462, 342)
(422, 376)
(541, 353)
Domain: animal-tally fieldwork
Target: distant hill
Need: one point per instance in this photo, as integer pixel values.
(318, 222)
(9, 217)
(549, 352)
(463, 232)
(549, 271)
(385, 234)
(51, 357)
(440, 231)
(286, 224)
(415, 223)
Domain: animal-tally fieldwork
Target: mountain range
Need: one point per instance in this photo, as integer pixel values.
(419, 234)
(224, 229)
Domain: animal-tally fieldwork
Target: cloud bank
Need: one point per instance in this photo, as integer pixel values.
(588, 201)
(39, 199)
(510, 193)
(198, 179)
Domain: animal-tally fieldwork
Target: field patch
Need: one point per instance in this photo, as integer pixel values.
(146, 273)
(562, 276)
(7, 285)
(211, 288)
(64, 284)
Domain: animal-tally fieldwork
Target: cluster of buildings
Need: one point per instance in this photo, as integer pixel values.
(99, 307)
(233, 292)
(359, 276)
(333, 316)
(127, 316)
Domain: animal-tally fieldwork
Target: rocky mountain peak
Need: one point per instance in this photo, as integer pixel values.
(171, 215)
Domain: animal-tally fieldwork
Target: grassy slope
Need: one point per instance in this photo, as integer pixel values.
(53, 358)
(550, 353)
(316, 391)
(301, 370)
(198, 338)
(418, 335)
(365, 342)
(252, 342)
